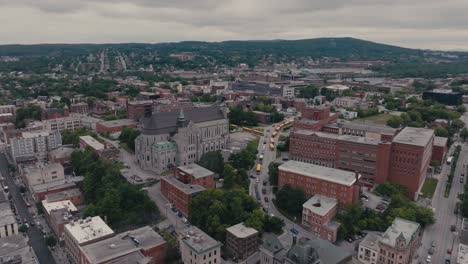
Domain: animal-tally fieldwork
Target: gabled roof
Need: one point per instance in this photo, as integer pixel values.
(166, 122)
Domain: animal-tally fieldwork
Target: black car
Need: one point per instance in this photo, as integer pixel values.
(453, 228)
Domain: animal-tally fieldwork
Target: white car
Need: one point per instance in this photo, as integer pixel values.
(257, 180)
(428, 259)
(184, 220)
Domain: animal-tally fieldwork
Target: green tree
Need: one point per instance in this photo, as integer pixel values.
(273, 224)
(23, 228)
(213, 161)
(273, 173)
(51, 241)
(461, 109)
(290, 200)
(309, 91)
(457, 124)
(394, 121)
(464, 134)
(29, 112)
(441, 132)
(229, 176)
(256, 220)
(128, 136)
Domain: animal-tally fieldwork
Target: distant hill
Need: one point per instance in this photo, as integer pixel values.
(344, 48)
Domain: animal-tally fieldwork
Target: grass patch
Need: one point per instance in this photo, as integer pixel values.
(429, 187)
(377, 119)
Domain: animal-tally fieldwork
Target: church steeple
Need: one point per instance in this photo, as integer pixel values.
(181, 119)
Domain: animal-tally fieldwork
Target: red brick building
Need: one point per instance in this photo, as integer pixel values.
(440, 149)
(80, 108)
(195, 174)
(53, 113)
(313, 179)
(178, 193)
(317, 215)
(263, 118)
(115, 125)
(411, 155)
(139, 109)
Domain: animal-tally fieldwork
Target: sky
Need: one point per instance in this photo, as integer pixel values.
(427, 24)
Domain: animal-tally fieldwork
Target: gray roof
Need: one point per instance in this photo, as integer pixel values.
(371, 241)
(317, 249)
(271, 243)
(241, 231)
(196, 170)
(400, 227)
(166, 122)
(185, 188)
(369, 128)
(198, 240)
(440, 141)
(342, 177)
(414, 136)
(320, 204)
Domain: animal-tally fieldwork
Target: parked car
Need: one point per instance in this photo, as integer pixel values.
(184, 220)
(428, 259)
(449, 251)
(461, 180)
(433, 244)
(266, 199)
(431, 251)
(294, 231)
(447, 261)
(453, 228)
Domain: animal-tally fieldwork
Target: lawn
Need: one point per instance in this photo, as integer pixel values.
(377, 119)
(429, 187)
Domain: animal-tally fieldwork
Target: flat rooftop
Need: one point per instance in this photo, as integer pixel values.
(440, 141)
(92, 142)
(320, 205)
(35, 134)
(122, 244)
(371, 240)
(118, 122)
(185, 188)
(319, 172)
(241, 231)
(63, 195)
(89, 229)
(350, 138)
(196, 170)
(197, 240)
(51, 206)
(414, 136)
(400, 226)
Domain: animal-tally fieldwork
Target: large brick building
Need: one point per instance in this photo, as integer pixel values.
(178, 193)
(313, 179)
(242, 241)
(195, 174)
(317, 215)
(411, 155)
(139, 109)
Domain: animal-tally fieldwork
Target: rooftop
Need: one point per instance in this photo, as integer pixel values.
(61, 152)
(195, 170)
(271, 243)
(35, 134)
(320, 205)
(414, 136)
(185, 188)
(63, 195)
(440, 141)
(309, 250)
(15, 248)
(89, 229)
(122, 244)
(92, 142)
(462, 257)
(369, 128)
(400, 227)
(118, 122)
(371, 240)
(241, 231)
(197, 240)
(319, 172)
(50, 206)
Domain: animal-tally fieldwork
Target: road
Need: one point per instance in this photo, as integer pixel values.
(36, 239)
(445, 216)
(268, 157)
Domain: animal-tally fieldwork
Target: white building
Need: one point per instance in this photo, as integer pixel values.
(83, 232)
(64, 123)
(196, 247)
(368, 251)
(34, 145)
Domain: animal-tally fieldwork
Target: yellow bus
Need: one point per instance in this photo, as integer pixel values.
(274, 134)
(272, 146)
(258, 168)
(272, 140)
(253, 131)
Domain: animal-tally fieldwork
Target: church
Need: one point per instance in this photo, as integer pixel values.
(171, 139)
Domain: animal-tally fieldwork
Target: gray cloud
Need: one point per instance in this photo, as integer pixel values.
(418, 23)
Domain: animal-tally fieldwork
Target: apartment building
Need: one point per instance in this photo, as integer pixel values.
(196, 247)
(34, 145)
(195, 174)
(84, 232)
(178, 193)
(314, 179)
(72, 122)
(317, 215)
(79, 108)
(398, 244)
(138, 109)
(242, 241)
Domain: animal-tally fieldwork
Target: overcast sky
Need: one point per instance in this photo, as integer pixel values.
(432, 24)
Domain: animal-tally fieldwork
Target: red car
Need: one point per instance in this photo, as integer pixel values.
(449, 251)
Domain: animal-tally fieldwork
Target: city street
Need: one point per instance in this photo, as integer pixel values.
(36, 239)
(445, 217)
(268, 157)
